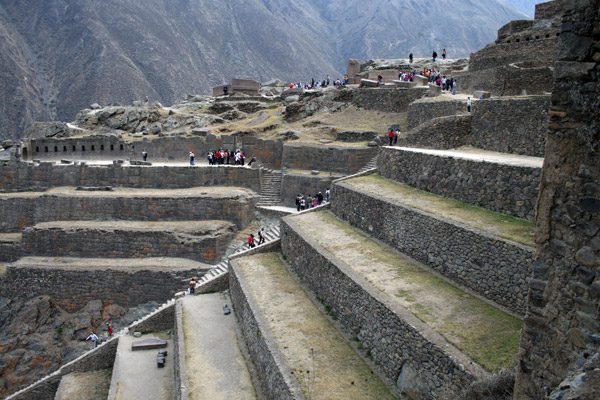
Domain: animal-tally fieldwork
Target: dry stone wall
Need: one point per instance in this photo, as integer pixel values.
(494, 268)
(327, 157)
(18, 212)
(269, 370)
(439, 133)
(426, 109)
(73, 289)
(26, 176)
(123, 243)
(504, 188)
(294, 184)
(386, 99)
(511, 125)
(10, 250)
(397, 347)
(561, 331)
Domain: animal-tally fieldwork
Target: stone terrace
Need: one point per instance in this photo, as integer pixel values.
(424, 334)
(197, 240)
(19, 210)
(316, 361)
(506, 183)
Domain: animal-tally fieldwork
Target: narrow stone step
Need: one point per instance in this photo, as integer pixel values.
(488, 252)
(214, 365)
(286, 334)
(440, 336)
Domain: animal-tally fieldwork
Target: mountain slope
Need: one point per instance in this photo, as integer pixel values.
(58, 56)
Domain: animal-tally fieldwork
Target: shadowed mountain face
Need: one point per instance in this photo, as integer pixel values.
(58, 56)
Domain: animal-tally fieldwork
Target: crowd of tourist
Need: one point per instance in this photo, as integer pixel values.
(305, 202)
(320, 84)
(227, 157)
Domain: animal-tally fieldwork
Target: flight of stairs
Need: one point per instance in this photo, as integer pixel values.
(368, 166)
(270, 188)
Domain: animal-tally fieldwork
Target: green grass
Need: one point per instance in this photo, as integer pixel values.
(505, 226)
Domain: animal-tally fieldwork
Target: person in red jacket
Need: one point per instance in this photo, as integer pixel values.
(391, 136)
(251, 241)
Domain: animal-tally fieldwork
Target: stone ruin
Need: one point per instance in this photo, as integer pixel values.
(461, 263)
(238, 87)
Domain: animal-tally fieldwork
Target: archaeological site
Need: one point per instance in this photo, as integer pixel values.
(380, 238)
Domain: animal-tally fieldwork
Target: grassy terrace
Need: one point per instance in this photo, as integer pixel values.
(489, 336)
(497, 224)
(324, 364)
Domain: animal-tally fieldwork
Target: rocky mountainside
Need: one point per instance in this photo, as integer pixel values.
(58, 56)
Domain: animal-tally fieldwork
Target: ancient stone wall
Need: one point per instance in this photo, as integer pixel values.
(10, 250)
(100, 358)
(73, 289)
(18, 212)
(511, 125)
(25, 176)
(426, 109)
(548, 10)
(294, 184)
(561, 326)
(363, 313)
(439, 133)
(504, 188)
(535, 50)
(327, 157)
(269, 370)
(386, 99)
(511, 80)
(494, 268)
(84, 148)
(124, 243)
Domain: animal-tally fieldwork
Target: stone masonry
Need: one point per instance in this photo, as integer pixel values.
(492, 267)
(394, 338)
(504, 188)
(562, 324)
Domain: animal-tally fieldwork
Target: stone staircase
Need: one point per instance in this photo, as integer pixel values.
(270, 188)
(371, 165)
(271, 234)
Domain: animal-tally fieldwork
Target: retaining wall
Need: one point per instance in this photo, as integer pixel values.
(439, 133)
(511, 125)
(18, 212)
(293, 184)
(10, 250)
(504, 188)
(73, 289)
(27, 176)
(496, 269)
(327, 157)
(403, 350)
(123, 243)
(387, 99)
(426, 109)
(272, 375)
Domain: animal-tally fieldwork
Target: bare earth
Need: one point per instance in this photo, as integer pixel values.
(220, 192)
(486, 334)
(131, 265)
(493, 223)
(215, 366)
(92, 385)
(324, 364)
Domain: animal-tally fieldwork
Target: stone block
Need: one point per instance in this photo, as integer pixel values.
(149, 344)
(405, 84)
(369, 83)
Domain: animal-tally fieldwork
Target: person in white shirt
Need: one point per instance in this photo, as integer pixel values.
(94, 338)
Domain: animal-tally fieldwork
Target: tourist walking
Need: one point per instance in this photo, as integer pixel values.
(434, 55)
(144, 156)
(251, 241)
(444, 54)
(391, 136)
(109, 329)
(192, 158)
(192, 286)
(327, 196)
(93, 338)
(410, 58)
(454, 87)
(320, 198)
(261, 238)
(468, 104)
